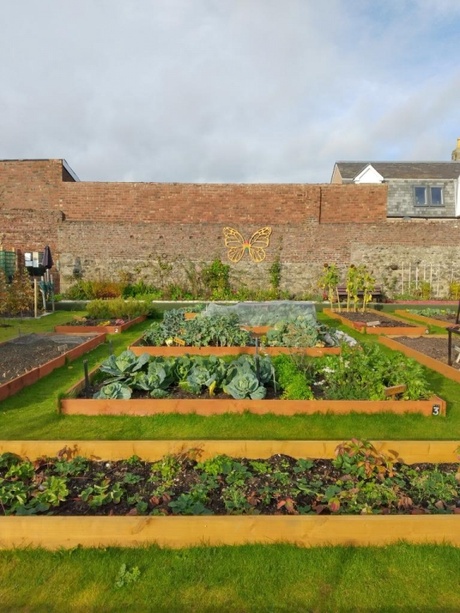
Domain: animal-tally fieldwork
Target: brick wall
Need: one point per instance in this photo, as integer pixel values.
(106, 228)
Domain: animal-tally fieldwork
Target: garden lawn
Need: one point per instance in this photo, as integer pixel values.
(12, 327)
(33, 414)
(249, 578)
(232, 579)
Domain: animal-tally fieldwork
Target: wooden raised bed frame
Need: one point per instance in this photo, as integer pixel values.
(216, 406)
(305, 530)
(179, 350)
(362, 327)
(107, 329)
(429, 321)
(447, 371)
(30, 377)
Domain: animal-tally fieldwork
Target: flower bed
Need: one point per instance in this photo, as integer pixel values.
(264, 465)
(400, 326)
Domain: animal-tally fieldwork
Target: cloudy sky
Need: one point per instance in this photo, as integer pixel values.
(228, 90)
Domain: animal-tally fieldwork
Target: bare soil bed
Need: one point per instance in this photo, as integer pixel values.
(435, 347)
(27, 352)
(370, 318)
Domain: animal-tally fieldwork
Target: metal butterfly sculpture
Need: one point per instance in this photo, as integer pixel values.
(255, 246)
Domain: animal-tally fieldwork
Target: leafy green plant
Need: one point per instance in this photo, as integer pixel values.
(115, 390)
(123, 366)
(245, 385)
(127, 576)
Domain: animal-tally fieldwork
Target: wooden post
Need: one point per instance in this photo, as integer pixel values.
(35, 298)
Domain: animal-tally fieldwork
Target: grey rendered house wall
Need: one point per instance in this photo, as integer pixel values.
(401, 200)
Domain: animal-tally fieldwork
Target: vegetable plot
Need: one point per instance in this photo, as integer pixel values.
(356, 374)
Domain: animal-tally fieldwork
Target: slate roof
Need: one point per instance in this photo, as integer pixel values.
(402, 170)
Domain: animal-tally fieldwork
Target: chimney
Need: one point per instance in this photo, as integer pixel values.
(456, 152)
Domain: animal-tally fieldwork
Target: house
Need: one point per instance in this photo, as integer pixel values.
(415, 189)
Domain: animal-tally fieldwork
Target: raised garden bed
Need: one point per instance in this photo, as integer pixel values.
(220, 351)
(223, 334)
(145, 386)
(439, 320)
(26, 359)
(325, 527)
(430, 351)
(374, 322)
(88, 325)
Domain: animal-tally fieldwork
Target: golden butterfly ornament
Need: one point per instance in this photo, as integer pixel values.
(255, 246)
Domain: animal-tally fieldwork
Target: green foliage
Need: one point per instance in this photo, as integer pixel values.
(305, 331)
(124, 366)
(275, 276)
(361, 373)
(216, 278)
(245, 385)
(115, 390)
(117, 308)
(217, 331)
(293, 378)
(359, 480)
(127, 576)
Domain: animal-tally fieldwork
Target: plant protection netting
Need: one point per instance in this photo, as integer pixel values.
(265, 313)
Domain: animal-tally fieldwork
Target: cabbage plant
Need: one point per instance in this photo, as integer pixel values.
(115, 390)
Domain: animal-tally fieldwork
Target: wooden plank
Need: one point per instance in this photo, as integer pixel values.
(393, 390)
(305, 531)
(152, 450)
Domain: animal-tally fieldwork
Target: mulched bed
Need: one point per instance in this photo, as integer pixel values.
(435, 347)
(383, 322)
(27, 352)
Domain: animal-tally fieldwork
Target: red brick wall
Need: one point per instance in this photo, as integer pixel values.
(130, 226)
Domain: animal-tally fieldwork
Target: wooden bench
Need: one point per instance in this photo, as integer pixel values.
(377, 293)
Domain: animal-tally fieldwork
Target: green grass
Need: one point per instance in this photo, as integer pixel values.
(254, 578)
(33, 414)
(239, 579)
(10, 328)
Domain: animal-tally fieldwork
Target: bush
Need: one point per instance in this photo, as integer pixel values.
(117, 309)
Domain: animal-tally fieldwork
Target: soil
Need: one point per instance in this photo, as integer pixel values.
(373, 318)
(435, 347)
(449, 317)
(29, 351)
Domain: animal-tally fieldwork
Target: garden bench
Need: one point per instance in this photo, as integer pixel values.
(377, 293)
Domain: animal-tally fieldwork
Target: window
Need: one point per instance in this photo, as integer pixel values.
(428, 196)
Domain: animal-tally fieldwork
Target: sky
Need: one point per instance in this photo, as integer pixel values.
(228, 91)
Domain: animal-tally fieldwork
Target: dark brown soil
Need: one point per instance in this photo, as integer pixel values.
(27, 352)
(372, 318)
(435, 347)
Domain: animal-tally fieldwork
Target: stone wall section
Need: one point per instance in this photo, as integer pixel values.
(401, 199)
